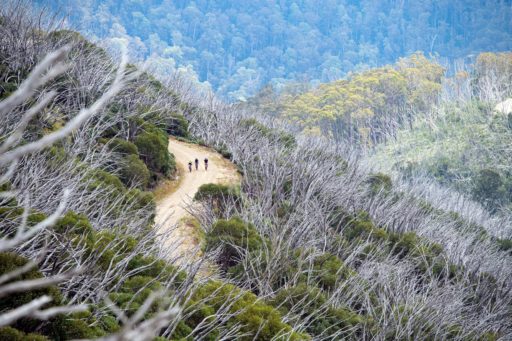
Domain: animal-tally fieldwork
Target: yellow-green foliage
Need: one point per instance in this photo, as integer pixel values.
(13, 334)
(494, 65)
(363, 102)
(134, 292)
(379, 183)
(254, 316)
(313, 303)
(233, 234)
(134, 171)
(328, 270)
(11, 261)
(216, 192)
(424, 79)
(425, 255)
(121, 146)
(61, 327)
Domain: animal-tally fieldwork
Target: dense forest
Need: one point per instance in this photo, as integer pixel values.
(240, 46)
(320, 240)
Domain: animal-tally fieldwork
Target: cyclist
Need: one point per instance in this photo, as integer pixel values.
(190, 166)
(205, 163)
(197, 163)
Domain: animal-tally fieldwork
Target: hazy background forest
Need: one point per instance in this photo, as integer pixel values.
(239, 46)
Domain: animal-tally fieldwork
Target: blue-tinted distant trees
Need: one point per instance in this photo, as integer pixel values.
(298, 39)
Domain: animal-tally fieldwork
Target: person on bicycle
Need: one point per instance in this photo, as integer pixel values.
(190, 166)
(197, 163)
(205, 163)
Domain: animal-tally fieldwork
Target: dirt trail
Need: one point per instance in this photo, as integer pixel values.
(170, 209)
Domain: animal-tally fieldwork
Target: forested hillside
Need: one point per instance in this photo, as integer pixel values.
(314, 244)
(240, 46)
(416, 119)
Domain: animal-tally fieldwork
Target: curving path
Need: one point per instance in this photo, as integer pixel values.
(170, 209)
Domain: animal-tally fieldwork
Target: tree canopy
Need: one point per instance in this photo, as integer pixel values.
(239, 46)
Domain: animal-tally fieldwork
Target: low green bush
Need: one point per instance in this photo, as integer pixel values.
(379, 183)
(489, 188)
(121, 146)
(328, 270)
(313, 303)
(9, 262)
(73, 222)
(257, 320)
(60, 327)
(134, 171)
(12, 334)
(177, 125)
(361, 227)
(216, 192)
(150, 267)
(152, 146)
(141, 199)
(75, 326)
(233, 234)
(102, 179)
(505, 245)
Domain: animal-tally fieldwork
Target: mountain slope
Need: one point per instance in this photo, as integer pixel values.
(313, 245)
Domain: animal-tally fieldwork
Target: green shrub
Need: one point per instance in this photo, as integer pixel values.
(71, 221)
(361, 227)
(286, 139)
(505, 245)
(75, 326)
(134, 171)
(103, 179)
(329, 269)
(313, 301)
(122, 146)
(232, 234)
(216, 192)
(109, 323)
(134, 292)
(259, 320)
(488, 187)
(11, 334)
(111, 252)
(6, 89)
(152, 146)
(379, 183)
(182, 331)
(177, 125)
(154, 268)
(141, 199)
(404, 243)
(9, 262)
